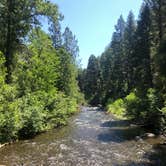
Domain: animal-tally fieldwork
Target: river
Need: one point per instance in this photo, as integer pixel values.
(92, 138)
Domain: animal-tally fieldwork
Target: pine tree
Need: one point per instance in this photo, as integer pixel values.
(142, 55)
(70, 43)
(117, 47)
(92, 80)
(129, 36)
(55, 32)
(158, 11)
(106, 66)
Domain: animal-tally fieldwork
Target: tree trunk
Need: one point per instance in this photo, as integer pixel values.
(160, 21)
(8, 47)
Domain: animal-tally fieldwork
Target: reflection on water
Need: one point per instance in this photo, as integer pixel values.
(91, 139)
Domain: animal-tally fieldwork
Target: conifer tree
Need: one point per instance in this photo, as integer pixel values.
(129, 36)
(70, 43)
(142, 55)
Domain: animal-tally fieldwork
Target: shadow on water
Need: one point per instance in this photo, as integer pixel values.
(119, 131)
(120, 135)
(117, 123)
(157, 157)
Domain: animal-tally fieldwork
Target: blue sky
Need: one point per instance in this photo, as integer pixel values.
(92, 21)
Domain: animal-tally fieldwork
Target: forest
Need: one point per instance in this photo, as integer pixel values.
(129, 78)
(42, 83)
(38, 69)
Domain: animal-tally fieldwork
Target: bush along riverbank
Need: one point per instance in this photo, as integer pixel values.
(143, 111)
(38, 71)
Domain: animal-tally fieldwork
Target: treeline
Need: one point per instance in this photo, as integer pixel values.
(130, 76)
(38, 70)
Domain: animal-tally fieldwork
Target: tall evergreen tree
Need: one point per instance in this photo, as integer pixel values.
(106, 66)
(70, 43)
(129, 49)
(55, 31)
(117, 47)
(92, 80)
(142, 55)
(67, 82)
(158, 11)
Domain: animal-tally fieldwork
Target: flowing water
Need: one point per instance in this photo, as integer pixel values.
(92, 138)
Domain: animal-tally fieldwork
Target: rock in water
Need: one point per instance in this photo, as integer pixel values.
(149, 135)
(138, 138)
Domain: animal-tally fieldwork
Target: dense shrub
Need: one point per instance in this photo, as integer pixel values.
(143, 109)
(117, 107)
(9, 113)
(41, 111)
(153, 115)
(163, 119)
(134, 107)
(129, 107)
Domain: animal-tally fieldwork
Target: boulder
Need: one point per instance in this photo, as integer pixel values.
(149, 135)
(138, 138)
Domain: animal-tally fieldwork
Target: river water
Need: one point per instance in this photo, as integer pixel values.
(92, 138)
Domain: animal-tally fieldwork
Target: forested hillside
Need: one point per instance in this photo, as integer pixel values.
(129, 78)
(38, 69)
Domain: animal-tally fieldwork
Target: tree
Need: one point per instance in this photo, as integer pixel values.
(117, 47)
(67, 82)
(92, 80)
(17, 18)
(158, 17)
(142, 54)
(81, 79)
(129, 38)
(39, 69)
(70, 43)
(158, 11)
(106, 66)
(55, 31)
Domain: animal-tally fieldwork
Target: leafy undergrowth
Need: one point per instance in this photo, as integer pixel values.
(142, 110)
(117, 108)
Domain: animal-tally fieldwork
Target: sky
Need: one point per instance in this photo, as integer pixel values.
(93, 21)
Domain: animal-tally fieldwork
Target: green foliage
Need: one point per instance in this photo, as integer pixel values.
(32, 114)
(67, 82)
(117, 108)
(163, 119)
(128, 107)
(42, 111)
(92, 84)
(70, 43)
(40, 69)
(9, 114)
(16, 20)
(144, 110)
(10, 120)
(35, 102)
(142, 59)
(153, 115)
(133, 106)
(161, 59)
